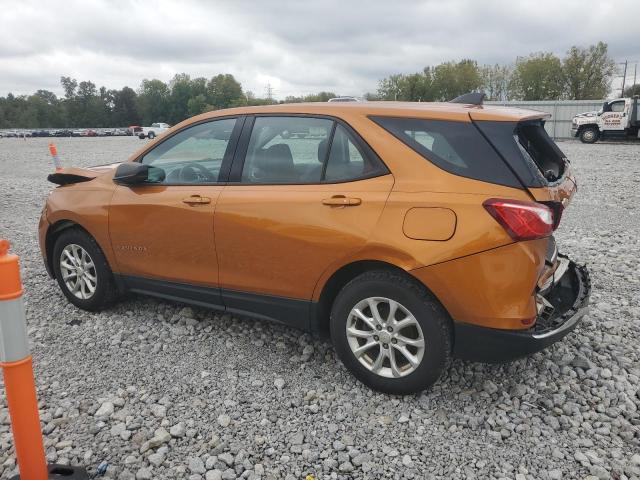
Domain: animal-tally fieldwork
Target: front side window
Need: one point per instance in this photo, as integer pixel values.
(617, 107)
(194, 155)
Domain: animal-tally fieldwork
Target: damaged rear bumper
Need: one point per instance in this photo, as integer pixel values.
(562, 306)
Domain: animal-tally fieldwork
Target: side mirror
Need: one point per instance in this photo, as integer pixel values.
(134, 173)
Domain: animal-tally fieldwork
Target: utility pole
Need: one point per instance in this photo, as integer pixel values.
(269, 91)
(624, 77)
(635, 71)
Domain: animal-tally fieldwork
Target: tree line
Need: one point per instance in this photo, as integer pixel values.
(583, 73)
(86, 105)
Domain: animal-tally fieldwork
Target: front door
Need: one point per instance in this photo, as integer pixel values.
(615, 118)
(163, 231)
(306, 197)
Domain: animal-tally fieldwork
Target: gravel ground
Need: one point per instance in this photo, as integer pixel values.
(160, 390)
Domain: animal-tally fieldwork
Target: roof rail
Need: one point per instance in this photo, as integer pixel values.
(473, 98)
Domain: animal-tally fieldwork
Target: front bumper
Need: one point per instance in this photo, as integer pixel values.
(566, 303)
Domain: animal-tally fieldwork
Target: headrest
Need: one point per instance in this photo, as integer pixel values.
(276, 157)
(322, 150)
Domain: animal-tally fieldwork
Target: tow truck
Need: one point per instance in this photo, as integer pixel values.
(618, 118)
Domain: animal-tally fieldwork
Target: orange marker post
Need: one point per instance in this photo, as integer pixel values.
(20, 387)
(54, 154)
(18, 372)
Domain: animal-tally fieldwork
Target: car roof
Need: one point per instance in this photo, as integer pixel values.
(431, 110)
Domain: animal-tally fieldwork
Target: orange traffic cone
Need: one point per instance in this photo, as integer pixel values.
(18, 379)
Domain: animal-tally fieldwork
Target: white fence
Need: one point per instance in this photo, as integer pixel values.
(562, 111)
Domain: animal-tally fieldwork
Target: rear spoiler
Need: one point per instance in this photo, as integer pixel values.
(471, 98)
(66, 176)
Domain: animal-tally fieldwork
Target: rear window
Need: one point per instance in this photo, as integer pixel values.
(457, 147)
(528, 149)
(534, 141)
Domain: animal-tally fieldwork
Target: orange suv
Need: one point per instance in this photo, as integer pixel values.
(411, 232)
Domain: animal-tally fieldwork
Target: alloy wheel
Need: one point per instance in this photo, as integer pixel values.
(78, 271)
(385, 337)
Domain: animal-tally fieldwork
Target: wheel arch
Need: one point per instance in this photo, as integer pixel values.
(587, 125)
(54, 231)
(321, 310)
(592, 126)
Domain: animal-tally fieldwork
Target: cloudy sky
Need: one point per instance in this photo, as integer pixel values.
(296, 46)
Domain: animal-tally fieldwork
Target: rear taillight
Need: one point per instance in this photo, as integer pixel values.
(558, 209)
(521, 220)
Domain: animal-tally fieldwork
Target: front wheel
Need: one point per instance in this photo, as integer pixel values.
(151, 135)
(82, 271)
(589, 135)
(391, 333)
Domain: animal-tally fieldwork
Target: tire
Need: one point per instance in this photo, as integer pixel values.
(105, 291)
(141, 136)
(151, 135)
(589, 135)
(435, 330)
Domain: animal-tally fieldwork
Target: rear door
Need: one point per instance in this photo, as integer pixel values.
(163, 231)
(303, 197)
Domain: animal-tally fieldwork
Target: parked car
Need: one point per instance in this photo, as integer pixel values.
(63, 133)
(410, 233)
(153, 131)
(343, 99)
(134, 130)
(40, 133)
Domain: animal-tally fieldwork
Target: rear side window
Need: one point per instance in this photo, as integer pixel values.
(286, 150)
(306, 150)
(347, 161)
(457, 147)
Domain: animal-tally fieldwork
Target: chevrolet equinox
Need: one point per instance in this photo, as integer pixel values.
(411, 233)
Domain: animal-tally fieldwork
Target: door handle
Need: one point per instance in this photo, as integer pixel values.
(196, 200)
(341, 201)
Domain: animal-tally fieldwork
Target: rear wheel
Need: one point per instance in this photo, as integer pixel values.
(82, 271)
(589, 135)
(391, 333)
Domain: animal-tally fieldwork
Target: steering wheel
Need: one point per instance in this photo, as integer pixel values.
(193, 172)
